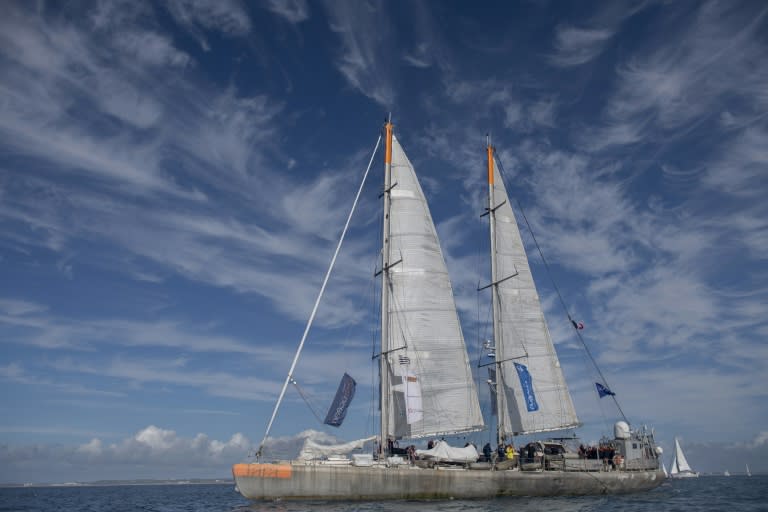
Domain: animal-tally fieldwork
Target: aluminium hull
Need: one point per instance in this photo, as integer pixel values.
(328, 482)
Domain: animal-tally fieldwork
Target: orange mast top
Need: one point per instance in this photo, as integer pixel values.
(490, 161)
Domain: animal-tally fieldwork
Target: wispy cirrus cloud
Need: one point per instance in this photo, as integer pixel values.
(662, 91)
(173, 372)
(575, 46)
(293, 11)
(228, 17)
(363, 59)
(174, 139)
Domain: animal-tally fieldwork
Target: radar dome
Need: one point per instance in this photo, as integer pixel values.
(621, 430)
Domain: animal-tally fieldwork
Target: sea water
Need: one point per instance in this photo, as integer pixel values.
(715, 493)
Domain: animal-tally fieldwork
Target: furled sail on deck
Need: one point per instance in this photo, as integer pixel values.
(536, 395)
(430, 382)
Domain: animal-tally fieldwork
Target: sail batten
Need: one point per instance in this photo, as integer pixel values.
(429, 377)
(536, 397)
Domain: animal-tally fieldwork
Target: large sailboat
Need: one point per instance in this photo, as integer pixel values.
(680, 467)
(427, 388)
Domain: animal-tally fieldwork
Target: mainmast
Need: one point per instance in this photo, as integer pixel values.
(383, 358)
(498, 346)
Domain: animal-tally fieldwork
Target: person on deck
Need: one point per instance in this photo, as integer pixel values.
(487, 451)
(510, 452)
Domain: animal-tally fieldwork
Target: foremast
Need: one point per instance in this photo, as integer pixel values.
(385, 252)
(499, 350)
(427, 387)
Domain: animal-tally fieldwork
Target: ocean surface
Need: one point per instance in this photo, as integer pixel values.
(709, 493)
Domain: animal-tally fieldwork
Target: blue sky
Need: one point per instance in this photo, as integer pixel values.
(174, 176)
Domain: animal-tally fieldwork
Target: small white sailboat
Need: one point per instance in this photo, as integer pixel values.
(726, 473)
(680, 467)
(426, 383)
(749, 473)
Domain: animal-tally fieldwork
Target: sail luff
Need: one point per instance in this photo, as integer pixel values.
(529, 373)
(383, 369)
(431, 389)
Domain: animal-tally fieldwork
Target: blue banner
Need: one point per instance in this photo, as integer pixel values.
(527, 386)
(344, 396)
(603, 390)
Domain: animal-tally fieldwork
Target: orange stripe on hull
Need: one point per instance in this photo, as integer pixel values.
(262, 470)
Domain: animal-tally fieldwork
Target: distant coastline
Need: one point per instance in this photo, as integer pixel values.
(107, 483)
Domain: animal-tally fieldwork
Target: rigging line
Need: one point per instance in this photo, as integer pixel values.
(317, 301)
(557, 290)
(306, 401)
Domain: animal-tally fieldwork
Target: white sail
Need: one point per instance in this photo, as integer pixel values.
(430, 380)
(682, 463)
(673, 470)
(749, 473)
(536, 395)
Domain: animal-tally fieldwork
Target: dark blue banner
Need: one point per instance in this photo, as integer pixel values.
(344, 396)
(527, 385)
(603, 390)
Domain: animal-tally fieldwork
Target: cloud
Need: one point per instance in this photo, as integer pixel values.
(761, 439)
(420, 57)
(217, 384)
(293, 11)
(363, 60)
(172, 140)
(576, 46)
(151, 48)
(16, 307)
(741, 165)
(151, 452)
(660, 92)
(228, 17)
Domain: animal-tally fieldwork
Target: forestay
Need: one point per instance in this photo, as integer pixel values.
(537, 397)
(431, 383)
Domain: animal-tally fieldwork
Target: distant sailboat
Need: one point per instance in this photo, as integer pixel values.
(727, 473)
(749, 473)
(680, 466)
(664, 468)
